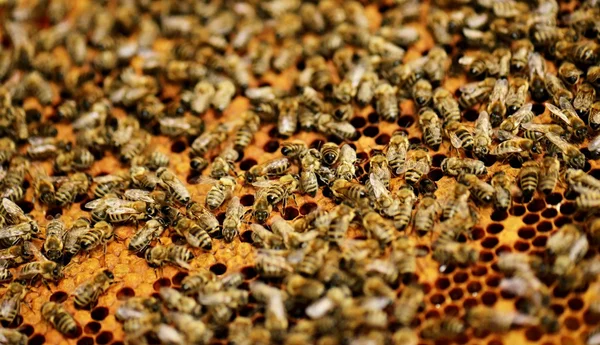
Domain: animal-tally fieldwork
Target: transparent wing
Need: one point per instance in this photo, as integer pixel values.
(138, 195)
(558, 141)
(107, 179)
(13, 209)
(36, 252)
(379, 189)
(567, 107)
(522, 113)
(500, 90)
(121, 210)
(264, 183)
(455, 140)
(558, 113)
(234, 207)
(348, 154)
(204, 180)
(13, 231)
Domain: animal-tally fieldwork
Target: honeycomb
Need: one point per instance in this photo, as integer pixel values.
(524, 228)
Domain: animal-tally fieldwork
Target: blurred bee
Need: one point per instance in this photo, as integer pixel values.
(199, 99)
(13, 337)
(569, 73)
(479, 91)
(460, 137)
(422, 92)
(196, 235)
(142, 177)
(537, 72)
(195, 282)
(570, 153)
(261, 58)
(12, 213)
(224, 93)
(366, 88)
(263, 238)
(327, 125)
(53, 245)
(347, 158)
(232, 222)
(205, 219)
(303, 289)
(59, 318)
(557, 89)
(7, 149)
(270, 264)
(287, 56)
(502, 191)
(480, 190)
(177, 255)
(178, 126)
(448, 327)
(351, 192)
(510, 127)
(550, 170)
(193, 330)
(223, 164)
(445, 105)
(408, 304)
(437, 22)
(406, 200)
(386, 102)
(584, 100)
(342, 215)
(287, 121)
(520, 55)
(431, 127)
(42, 148)
(245, 134)
(268, 169)
(435, 68)
(578, 177)
(428, 211)
(593, 76)
(76, 47)
(450, 252)
(15, 256)
(486, 318)
(515, 145)
(170, 182)
(378, 227)
(141, 239)
(87, 294)
(10, 304)
(455, 166)
(100, 233)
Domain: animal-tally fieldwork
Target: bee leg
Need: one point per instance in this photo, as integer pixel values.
(47, 285)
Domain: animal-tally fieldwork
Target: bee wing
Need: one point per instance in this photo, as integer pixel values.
(558, 112)
(6, 254)
(567, 107)
(500, 90)
(108, 202)
(213, 298)
(470, 87)
(138, 195)
(36, 252)
(13, 209)
(9, 304)
(12, 231)
(204, 180)
(107, 179)
(234, 206)
(276, 306)
(520, 114)
(378, 187)
(86, 288)
(263, 184)
(319, 308)
(557, 140)
(455, 140)
(594, 144)
(537, 127)
(513, 149)
(536, 64)
(175, 122)
(347, 154)
(121, 210)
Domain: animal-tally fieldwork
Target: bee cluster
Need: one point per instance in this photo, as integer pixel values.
(112, 82)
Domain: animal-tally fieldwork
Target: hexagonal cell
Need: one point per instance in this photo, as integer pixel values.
(92, 327)
(536, 205)
(85, 341)
(104, 338)
(162, 282)
(517, 210)
(125, 293)
(218, 269)
(99, 313)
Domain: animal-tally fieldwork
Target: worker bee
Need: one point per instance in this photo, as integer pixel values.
(15, 256)
(450, 252)
(13, 234)
(310, 163)
(53, 245)
(486, 318)
(177, 255)
(479, 91)
(197, 281)
(431, 128)
(100, 233)
(510, 126)
(87, 294)
(455, 166)
(569, 73)
(271, 264)
(261, 207)
(264, 238)
(593, 76)
(480, 190)
(209, 140)
(584, 100)
(196, 233)
(502, 191)
(340, 219)
(428, 211)
(143, 177)
(12, 213)
(386, 102)
(418, 163)
(224, 93)
(76, 184)
(221, 191)
(287, 121)
(448, 327)
(232, 222)
(422, 92)
(293, 149)
(59, 318)
(8, 148)
(445, 104)
(269, 169)
(408, 304)
(497, 104)
(346, 169)
(110, 183)
(550, 170)
(281, 191)
(579, 177)
(141, 239)
(193, 330)
(330, 153)
(13, 337)
(570, 153)
(10, 304)
(366, 88)
(567, 117)
(514, 145)
(44, 268)
(178, 126)
(170, 182)
(350, 192)
(437, 22)
(327, 125)
(520, 54)
(482, 135)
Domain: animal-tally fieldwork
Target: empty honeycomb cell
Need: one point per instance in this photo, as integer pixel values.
(499, 215)
(406, 121)
(557, 309)
(371, 131)
(104, 338)
(178, 146)
(26, 206)
(460, 277)
(54, 211)
(517, 210)
(426, 288)
(560, 293)
(179, 277)
(567, 208)
(373, 117)
(99, 313)
(456, 294)
(494, 228)
(474, 287)
(92, 327)
(247, 200)
(549, 213)
(125, 293)
(493, 281)
(85, 341)
(533, 333)
(308, 207)
(432, 314)
(575, 303)
(490, 242)
(162, 282)
(572, 323)
(479, 271)
(477, 233)
(218, 268)
(437, 299)
(246, 164)
(461, 339)
(39, 339)
(503, 249)
(486, 256)
(562, 220)
(249, 272)
(526, 232)
(539, 241)
(469, 303)
(590, 318)
(117, 343)
(437, 159)
(536, 205)
(442, 283)
(290, 213)
(358, 122)
(362, 157)
(451, 310)
(531, 218)
(554, 198)
(59, 296)
(271, 146)
(246, 236)
(471, 115)
(507, 295)
(521, 246)
(26, 329)
(382, 139)
(489, 298)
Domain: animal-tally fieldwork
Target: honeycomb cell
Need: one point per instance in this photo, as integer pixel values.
(437, 299)
(531, 218)
(442, 283)
(456, 294)
(271, 146)
(544, 226)
(562, 220)
(557, 309)
(486, 256)
(436, 174)
(436, 160)
(99, 313)
(499, 215)
(451, 310)
(246, 164)
(474, 287)
(590, 318)
(533, 333)
(479, 271)
(85, 341)
(567, 208)
(247, 200)
(59, 296)
(162, 282)
(104, 338)
(373, 117)
(460, 277)
(490, 242)
(572, 323)
(493, 281)
(494, 228)
(526, 233)
(307, 208)
(38, 339)
(432, 314)
(540, 241)
(382, 139)
(549, 213)
(92, 327)
(575, 304)
(26, 329)
(125, 293)
(469, 303)
(371, 131)
(178, 146)
(358, 122)
(517, 210)
(495, 342)
(406, 121)
(503, 249)
(536, 205)
(290, 213)
(218, 269)
(489, 298)
(246, 236)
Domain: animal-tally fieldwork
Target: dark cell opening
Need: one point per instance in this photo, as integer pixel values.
(526, 232)
(178, 146)
(451, 310)
(249, 272)
(486, 256)
(358, 122)
(575, 303)
(474, 287)
(436, 174)
(437, 299)
(471, 115)
(536, 205)
(493, 281)
(104, 338)
(572, 323)
(308, 208)
(316, 144)
(92, 327)
(495, 228)
(125, 293)
(531, 218)
(499, 215)
(179, 277)
(470, 303)
(539, 241)
(371, 131)
(25, 205)
(162, 282)
(591, 318)
(59, 296)
(373, 117)
(460, 277)
(479, 271)
(517, 210)
(521, 246)
(549, 213)
(456, 294)
(503, 249)
(442, 283)
(290, 213)
(406, 121)
(271, 146)
(544, 226)
(382, 139)
(567, 208)
(218, 268)
(477, 233)
(489, 242)
(85, 341)
(489, 298)
(533, 333)
(246, 164)
(560, 221)
(246, 237)
(247, 200)
(54, 212)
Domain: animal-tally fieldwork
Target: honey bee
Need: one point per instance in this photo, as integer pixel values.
(10, 304)
(287, 121)
(550, 170)
(44, 268)
(418, 163)
(445, 104)
(593, 75)
(565, 239)
(209, 140)
(408, 304)
(53, 245)
(197, 233)
(557, 89)
(450, 252)
(13, 337)
(269, 169)
(170, 182)
(569, 73)
(177, 255)
(13, 234)
(270, 264)
(177, 126)
(350, 192)
(511, 125)
(261, 58)
(331, 153)
(482, 135)
(141, 239)
(232, 222)
(497, 104)
(175, 300)
(287, 56)
(110, 183)
(502, 191)
(570, 153)
(263, 238)
(100, 233)
(520, 54)
(76, 184)
(87, 294)
(448, 327)
(12, 213)
(584, 100)
(366, 88)
(478, 92)
(347, 158)
(515, 145)
(143, 177)
(386, 102)
(221, 191)
(482, 191)
(458, 201)
(193, 330)
(578, 177)
(486, 318)
(8, 148)
(455, 166)
(437, 22)
(195, 282)
(431, 128)
(327, 124)
(59, 318)
(340, 220)
(428, 211)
